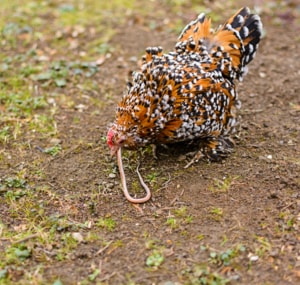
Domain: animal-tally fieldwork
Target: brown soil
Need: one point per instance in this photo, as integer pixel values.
(251, 198)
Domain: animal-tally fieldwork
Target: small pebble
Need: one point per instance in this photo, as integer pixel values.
(55, 141)
(262, 74)
(274, 253)
(110, 185)
(169, 283)
(43, 58)
(77, 236)
(80, 107)
(112, 175)
(235, 277)
(254, 258)
(51, 101)
(133, 59)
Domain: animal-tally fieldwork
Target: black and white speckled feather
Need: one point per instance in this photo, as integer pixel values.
(189, 93)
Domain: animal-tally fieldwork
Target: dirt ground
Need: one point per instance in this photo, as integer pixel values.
(233, 222)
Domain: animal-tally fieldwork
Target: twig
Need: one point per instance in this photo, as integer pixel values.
(165, 184)
(104, 248)
(70, 150)
(107, 277)
(26, 238)
(287, 206)
(138, 208)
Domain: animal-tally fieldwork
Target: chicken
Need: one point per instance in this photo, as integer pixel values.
(190, 93)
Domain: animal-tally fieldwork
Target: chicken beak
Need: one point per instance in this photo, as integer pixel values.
(116, 146)
(114, 150)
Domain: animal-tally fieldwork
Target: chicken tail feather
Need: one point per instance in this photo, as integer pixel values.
(232, 46)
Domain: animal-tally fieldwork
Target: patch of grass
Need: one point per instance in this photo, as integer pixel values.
(94, 275)
(20, 103)
(3, 274)
(68, 244)
(54, 150)
(57, 282)
(59, 72)
(172, 223)
(101, 47)
(179, 218)
(222, 186)
(200, 237)
(181, 212)
(75, 13)
(106, 223)
(155, 259)
(17, 253)
(226, 257)
(287, 222)
(216, 213)
(15, 182)
(4, 134)
(263, 245)
(28, 73)
(14, 188)
(152, 177)
(204, 275)
(152, 244)
(20, 109)
(14, 195)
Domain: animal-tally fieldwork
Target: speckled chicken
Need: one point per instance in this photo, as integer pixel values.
(189, 93)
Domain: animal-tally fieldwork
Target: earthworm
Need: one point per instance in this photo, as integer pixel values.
(124, 184)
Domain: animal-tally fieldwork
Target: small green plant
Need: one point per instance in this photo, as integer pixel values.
(4, 134)
(68, 244)
(106, 223)
(17, 253)
(203, 275)
(94, 275)
(188, 219)
(14, 195)
(172, 223)
(15, 182)
(181, 212)
(180, 217)
(22, 102)
(290, 222)
(59, 72)
(152, 177)
(216, 212)
(57, 282)
(225, 258)
(104, 48)
(287, 221)
(155, 259)
(3, 273)
(264, 246)
(221, 186)
(54, 150)
(200, 237)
